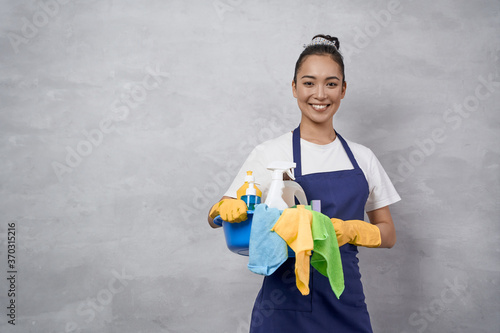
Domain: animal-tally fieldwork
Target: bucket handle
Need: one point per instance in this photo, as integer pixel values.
(218, 220)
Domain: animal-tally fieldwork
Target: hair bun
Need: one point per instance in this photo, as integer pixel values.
(334, 40)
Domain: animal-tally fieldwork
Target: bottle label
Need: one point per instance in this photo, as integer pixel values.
(251, 201)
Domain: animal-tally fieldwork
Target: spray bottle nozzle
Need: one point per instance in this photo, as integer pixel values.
(275, 196)
(280, 167)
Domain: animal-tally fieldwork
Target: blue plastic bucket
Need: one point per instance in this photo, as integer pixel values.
(238, 234)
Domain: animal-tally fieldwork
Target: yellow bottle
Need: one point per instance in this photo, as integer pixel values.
(248, 191)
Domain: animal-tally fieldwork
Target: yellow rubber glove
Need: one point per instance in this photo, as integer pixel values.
(230, 210)
(357, 232)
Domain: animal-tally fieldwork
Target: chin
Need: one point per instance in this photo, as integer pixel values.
(321, 119)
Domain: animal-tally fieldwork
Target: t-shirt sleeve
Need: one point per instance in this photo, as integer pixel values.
(382, 191)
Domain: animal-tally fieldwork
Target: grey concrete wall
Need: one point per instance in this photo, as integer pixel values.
(121, 122)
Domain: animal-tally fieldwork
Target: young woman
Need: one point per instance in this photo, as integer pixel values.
(345, 176)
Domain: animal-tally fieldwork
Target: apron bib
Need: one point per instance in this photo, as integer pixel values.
(279, 306)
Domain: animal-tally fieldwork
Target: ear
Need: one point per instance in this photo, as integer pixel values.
(344, 88)
(294, 89)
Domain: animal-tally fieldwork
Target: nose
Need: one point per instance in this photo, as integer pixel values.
(320, 92)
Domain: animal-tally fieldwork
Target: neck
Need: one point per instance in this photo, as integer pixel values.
(321, 134)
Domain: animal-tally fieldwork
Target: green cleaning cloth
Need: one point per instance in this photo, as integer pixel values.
(326, 254)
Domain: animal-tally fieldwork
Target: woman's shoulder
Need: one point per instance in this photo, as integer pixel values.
(282, 142)
(359, 149)
(364, 156)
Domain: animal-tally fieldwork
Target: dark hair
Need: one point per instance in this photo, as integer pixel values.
(320, 49)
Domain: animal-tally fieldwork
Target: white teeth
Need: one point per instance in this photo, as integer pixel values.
(319, 107)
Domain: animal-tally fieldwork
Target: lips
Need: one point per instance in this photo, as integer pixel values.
(319, 107)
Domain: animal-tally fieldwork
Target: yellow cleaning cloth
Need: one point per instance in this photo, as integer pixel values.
(294, 226)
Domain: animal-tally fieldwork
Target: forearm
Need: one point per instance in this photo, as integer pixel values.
(387, 235)
(211, 223)
(382, 219)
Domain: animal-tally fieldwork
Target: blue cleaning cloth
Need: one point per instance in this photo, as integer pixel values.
(267, 250)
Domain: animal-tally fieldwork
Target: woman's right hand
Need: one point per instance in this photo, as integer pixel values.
(229, 209)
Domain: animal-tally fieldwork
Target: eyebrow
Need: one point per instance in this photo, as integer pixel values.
(313, 77)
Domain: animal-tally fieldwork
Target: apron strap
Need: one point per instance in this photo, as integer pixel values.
(296, 152)
(297, 156)
(348, 151)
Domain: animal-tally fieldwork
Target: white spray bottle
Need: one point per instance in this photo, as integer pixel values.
(275, 196)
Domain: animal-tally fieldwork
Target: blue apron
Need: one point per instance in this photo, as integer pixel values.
(279, 306)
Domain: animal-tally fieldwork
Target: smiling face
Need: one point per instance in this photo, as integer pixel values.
(319, 89)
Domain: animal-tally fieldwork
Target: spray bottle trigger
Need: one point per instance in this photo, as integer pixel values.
(289, 172)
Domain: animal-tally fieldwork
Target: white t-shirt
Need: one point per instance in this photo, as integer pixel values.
(318, 158)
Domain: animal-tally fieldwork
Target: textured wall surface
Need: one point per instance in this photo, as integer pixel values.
(121, 122)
